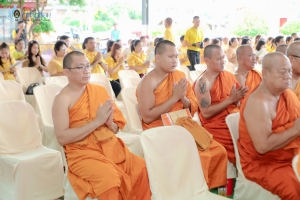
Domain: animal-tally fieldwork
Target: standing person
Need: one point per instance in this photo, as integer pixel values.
(115, 34)
(20, 32)
(55, 66)
(5, 62)
(168, 32)
(193, 37)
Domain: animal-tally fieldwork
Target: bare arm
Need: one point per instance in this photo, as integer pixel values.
(138, 68)
(259, 125)
(18, 35)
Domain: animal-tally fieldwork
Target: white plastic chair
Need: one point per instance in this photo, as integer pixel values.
(295, 166)
(173, 165)
(1, 77)
(61, 81)
(128, 78)
(130, 101)
(28, 170)
(11, 90)
(244, 189)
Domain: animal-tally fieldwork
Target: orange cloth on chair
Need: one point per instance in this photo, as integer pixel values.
(273, 170)
(216, 125)
(253, 81)
(101, 161)
(214, 158)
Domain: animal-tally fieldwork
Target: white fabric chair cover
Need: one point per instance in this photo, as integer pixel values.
(130, 82)
(130, 101)
(1, 77)
(27, 76)
(126, 75)
(102, 78)
(295, 166)
(173, 165)
(11, 90)
(195, 74)
(244, 189)
(186, 71)
(61, 81)
(200, 67)
(28, 170)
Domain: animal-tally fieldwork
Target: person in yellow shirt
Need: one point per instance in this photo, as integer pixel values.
(137, 59)
(183, 58)
(225, 44)
(269, 44)
(98, 64)
(66, 39)
(19, 53)
(231, 51)
(168, 32)
(193, 37)
(115, 62)
(5, 62)
(55, 66)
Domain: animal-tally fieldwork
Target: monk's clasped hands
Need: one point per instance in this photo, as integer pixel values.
(237, 94)
(179, 89)
(105, 112)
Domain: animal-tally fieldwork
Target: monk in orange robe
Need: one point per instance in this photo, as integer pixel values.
(269, 129)
(245, 74)
(294, 57)
(218, 94)
(86, 121)
(164, 90)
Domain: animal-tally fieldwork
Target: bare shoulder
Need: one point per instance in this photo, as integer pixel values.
(62, 97)
(203, 82)
(256, 105)
(148, 82)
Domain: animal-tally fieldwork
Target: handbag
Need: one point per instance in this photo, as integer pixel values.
(30, 88)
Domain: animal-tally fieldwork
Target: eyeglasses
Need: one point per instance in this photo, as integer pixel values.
(296, 56)
(81, 68)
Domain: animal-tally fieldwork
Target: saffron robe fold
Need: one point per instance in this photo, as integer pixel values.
(216, 125)
(297, 90)
(273, 170)
(253, 80)
(214, 158)
(101, 161)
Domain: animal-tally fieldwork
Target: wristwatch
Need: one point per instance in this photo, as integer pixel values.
(100, 62)
(194, 45)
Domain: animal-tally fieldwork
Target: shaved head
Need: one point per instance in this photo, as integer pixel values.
(294, 49)
(208, 51)
(282, 48)
(160, 48)
(169, 21)
(68, 59)
(242, 49)
(273, 60)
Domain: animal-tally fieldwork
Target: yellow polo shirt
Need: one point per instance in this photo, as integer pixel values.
(55, 65)
(137, 60)
(271, 49)
(111, 64)
(183, 54)
(5, 67)
(91, 57)
(18, 55)
(169, 34)
(192, 36)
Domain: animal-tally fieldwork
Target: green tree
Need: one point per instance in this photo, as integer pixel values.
(134, 14)
(80, 3)
(290, 27)
(250, 24)
(44, 26)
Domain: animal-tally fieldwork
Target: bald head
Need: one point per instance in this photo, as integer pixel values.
(282, 48)
(294, 49)
(208, 51)
(169, 21)
(161, 47)
(68, 59)
(273, 60)
(241, 50)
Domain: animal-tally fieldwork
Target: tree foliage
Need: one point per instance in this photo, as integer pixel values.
(290, 27)
(80, 3)
(44, 26)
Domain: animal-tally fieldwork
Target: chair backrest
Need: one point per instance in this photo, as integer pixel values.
(1, 77)
(96, 78)
(128, 74)
(173, 163)
(44, 96)
(130, 82)
(200, 67)
(107, 86)
(130, 101)
(125, 76)
(61, 81)
(295, 166)
(195, 74)
(232, 122)
(27, 76)
(186, 71)
(19, 129)
(11, 90)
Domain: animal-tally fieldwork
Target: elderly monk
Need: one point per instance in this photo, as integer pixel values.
(218, 94)
(293, 53)
(269, 130)
(86, 121)
(282, 48)
(245, 74)
(164, 90)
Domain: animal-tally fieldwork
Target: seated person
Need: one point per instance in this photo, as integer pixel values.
(260, 50)
(66, 39)
(137, 59)
(293, 53)
(34, 59)
(19, 53)
(218, 94)
(55, 66)
(183, 58)
(166, 89)
(282, 48)
(109, 45)
(5, 63)
(85, 122)
(115, 62)
(269, 130)
(231, 51)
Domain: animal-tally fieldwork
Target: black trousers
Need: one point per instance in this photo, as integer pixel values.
(194, 58)
(116, 86)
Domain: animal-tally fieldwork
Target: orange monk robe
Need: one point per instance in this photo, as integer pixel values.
(297, 90)
(214, 158)
(216, 125)
(273, 170)
(100, 165)
(253, 80)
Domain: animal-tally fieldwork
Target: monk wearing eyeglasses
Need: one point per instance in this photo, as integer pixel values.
(293, 53)
(86, 120)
